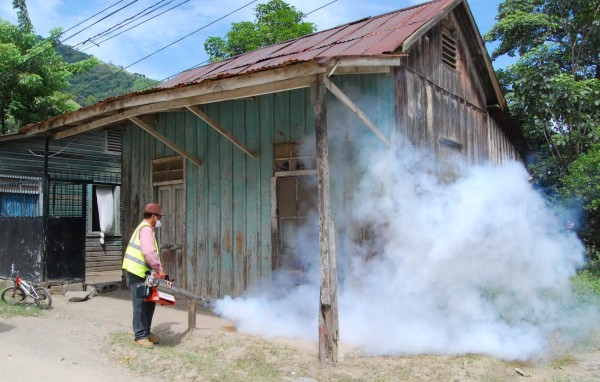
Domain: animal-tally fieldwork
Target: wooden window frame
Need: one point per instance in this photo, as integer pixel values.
(175, 179)
(116, 229)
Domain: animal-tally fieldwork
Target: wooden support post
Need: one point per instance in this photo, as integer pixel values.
(191, 315)
(328, 309)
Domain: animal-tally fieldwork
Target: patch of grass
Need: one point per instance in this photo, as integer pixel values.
(565, 360)
(23, 310)
(568, 378)
(223, 357)
(357, 367)
(585, 283)
(217, 359)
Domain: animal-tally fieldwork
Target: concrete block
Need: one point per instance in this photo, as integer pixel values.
(91, 289)
(57, 289)
(76, 287)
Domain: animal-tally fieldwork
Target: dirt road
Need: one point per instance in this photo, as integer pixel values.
(69, 342)
(92, 341)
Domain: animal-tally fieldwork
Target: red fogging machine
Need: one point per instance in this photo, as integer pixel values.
(154, 290)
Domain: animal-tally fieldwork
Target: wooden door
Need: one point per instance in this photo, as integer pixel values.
(171, 236)
(297, 224)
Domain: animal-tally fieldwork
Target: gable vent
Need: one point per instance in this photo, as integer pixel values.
(113, 142)
(449, 49)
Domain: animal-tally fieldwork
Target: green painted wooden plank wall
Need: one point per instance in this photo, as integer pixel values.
(228, 198)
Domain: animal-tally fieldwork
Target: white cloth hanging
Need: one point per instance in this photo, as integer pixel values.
(106, 209)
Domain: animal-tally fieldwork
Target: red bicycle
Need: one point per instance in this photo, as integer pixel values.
(23, 289)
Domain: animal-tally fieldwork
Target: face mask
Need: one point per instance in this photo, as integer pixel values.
(158, 224)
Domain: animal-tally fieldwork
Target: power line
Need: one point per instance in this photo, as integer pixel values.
(321, 7)
(104, 18)
(15, 68)
(207, 61)
(169, 45)
(63, 49)
(136, 25)
(94, 15)
(123, 23)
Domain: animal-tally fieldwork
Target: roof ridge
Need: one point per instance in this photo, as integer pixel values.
(362, 20)
(341, 26)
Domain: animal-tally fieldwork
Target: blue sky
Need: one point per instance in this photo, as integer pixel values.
(139, 42)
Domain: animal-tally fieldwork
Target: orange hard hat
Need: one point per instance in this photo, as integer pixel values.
(153, 208)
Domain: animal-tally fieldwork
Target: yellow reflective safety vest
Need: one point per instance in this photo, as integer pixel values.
(134, 261)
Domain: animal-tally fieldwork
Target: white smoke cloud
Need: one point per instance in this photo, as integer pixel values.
(477, 265)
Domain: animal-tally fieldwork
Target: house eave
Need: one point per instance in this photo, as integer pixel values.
(293, 76)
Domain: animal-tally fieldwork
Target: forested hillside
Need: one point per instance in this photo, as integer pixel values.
(102, 81)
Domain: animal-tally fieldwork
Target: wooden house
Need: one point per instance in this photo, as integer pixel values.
(50, 220)
(219, 146)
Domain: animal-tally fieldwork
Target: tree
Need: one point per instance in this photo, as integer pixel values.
(32, 74)
(276, 21)
(553, 90)
(583, 184)
(24, 21)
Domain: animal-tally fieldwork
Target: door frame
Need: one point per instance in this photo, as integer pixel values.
(174, 181)
(275, 237)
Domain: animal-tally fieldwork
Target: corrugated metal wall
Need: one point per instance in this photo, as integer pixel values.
(22, 205)
(228, 198)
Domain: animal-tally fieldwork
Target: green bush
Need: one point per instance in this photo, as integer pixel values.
(587, 282)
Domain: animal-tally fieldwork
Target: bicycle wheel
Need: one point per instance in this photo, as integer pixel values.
(13, 296)
(44, 299)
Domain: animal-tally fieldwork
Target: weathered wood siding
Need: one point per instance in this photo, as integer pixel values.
(228, 198)
(228, 237)
(438, 104)
(82, 157)
(103, 262)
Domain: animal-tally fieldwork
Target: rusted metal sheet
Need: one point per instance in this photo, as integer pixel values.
(22, 242)
(371, 36)
(66, 248)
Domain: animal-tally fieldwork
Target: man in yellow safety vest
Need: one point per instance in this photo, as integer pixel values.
(142, 256)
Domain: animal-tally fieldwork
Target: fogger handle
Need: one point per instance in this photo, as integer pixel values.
(167, 286)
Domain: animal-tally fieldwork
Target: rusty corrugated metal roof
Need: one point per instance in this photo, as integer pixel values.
(371, 36)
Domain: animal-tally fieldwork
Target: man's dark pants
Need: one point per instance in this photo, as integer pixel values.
(143, 311)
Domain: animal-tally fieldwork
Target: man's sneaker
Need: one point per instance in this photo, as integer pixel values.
(144, 342)
(154, 338)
